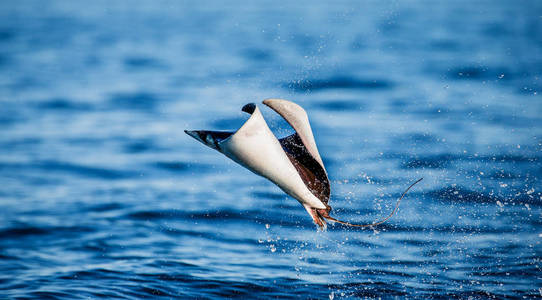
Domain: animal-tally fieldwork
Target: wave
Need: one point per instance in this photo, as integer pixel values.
(23, 231)
(53, 166)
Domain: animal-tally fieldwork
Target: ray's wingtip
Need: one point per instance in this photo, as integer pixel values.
(192, 133)
(249, 108)
(269, 100)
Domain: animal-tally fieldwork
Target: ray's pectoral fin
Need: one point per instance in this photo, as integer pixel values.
(309, 169)
(302, 152)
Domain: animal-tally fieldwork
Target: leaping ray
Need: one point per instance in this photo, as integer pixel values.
(292, 163)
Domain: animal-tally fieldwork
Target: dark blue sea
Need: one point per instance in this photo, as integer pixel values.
(102, 194)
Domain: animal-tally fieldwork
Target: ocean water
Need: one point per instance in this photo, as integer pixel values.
(103, 195)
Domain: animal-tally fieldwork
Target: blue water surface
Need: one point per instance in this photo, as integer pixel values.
(103, 195)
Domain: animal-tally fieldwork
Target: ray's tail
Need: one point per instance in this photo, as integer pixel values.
(325, 214)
